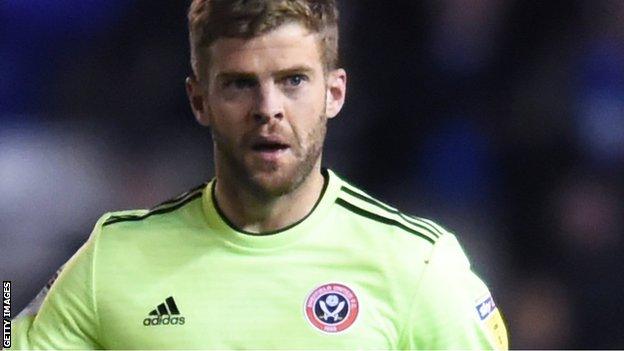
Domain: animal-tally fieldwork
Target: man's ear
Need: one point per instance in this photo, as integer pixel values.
(196, 94)
(336, 92)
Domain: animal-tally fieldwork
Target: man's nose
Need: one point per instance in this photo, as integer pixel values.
(268, 103)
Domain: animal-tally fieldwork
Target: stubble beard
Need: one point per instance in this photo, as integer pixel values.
(276, 180)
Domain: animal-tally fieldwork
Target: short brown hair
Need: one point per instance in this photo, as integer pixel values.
(210, 20)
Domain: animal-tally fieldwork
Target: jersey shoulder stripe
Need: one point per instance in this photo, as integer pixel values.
(367, 202)
(164, 207)
(181, 196)
(359, 208)
(382, 219)
(420, 223)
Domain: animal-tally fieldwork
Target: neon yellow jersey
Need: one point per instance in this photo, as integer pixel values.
(355, 273)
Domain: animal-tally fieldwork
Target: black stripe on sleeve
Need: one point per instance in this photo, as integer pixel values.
(357, 210)
(127, 218)
(179, 197)
(433, 230)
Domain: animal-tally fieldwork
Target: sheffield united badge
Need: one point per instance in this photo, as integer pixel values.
(332, 307)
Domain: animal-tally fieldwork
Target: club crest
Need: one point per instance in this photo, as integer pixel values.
(332, 308)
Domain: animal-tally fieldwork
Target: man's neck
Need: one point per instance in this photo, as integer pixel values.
(259, 215)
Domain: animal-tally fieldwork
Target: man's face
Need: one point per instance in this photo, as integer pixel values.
(267, 101)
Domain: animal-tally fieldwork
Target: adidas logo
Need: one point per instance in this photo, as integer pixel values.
(166, 313)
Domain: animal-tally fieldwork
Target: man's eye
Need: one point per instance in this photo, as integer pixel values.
(241, 83)
(296, 79)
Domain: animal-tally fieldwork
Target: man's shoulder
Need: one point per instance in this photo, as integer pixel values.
(360, 207)
(175, 211)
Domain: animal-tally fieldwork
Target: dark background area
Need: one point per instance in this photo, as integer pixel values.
(501, 119)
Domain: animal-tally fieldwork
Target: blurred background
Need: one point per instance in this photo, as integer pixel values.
(501, 119)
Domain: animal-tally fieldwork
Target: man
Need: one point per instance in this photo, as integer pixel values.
(275, 252)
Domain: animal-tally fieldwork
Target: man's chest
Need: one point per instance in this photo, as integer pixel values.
(248, 303)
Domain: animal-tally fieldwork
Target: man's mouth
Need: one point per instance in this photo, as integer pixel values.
(269, 146)
(269, 149)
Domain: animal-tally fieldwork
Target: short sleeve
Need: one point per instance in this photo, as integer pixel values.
(63, 315)
(452, 307)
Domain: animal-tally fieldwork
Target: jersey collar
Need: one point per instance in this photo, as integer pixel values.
(225, 230)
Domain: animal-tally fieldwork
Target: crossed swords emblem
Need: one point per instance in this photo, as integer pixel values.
(331, 300)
